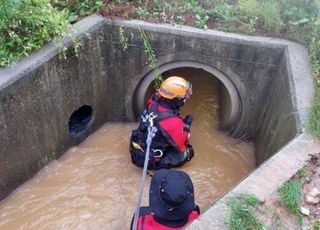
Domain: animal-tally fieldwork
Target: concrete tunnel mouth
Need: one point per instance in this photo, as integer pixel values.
(229, 103)
(261, 83)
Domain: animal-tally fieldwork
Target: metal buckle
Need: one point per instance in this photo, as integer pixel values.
(158, 150)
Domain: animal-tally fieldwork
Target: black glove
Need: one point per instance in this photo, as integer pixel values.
(190, 152)
(187, 122)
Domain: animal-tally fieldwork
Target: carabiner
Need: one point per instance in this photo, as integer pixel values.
(151, 117)
(158, 150)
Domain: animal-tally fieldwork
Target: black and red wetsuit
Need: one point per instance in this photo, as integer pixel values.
(171, 138)
(148, 221)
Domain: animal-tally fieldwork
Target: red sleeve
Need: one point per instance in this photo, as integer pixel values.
(172, 129)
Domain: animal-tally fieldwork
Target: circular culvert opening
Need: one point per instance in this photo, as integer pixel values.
(229, 101)
(80, 120)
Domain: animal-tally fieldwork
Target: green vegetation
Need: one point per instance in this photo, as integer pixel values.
(77, 8)
(123, 39)
(290, 195)
(303, 173)
(294, 20)
(152, 59)
(27, 25)
(290, 192)
(243, 209)
(314, 124)
(316, 225)
(166, 11)
(45, 160)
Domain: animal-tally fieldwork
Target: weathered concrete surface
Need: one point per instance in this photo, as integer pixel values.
(289, 102)
(263, 181)
(230, 104)
(39, 94)
(265, 71)
(247, 63)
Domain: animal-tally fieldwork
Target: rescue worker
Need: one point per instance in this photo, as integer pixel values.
(171, 202)
(169, 146)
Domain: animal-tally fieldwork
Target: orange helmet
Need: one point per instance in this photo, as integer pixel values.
(175, 87)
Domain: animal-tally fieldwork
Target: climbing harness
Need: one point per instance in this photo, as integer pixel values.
(151, 133)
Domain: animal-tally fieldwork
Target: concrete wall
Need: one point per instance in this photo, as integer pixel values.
(38, 97)
(248, 65)
(278, 118)
(40, 93)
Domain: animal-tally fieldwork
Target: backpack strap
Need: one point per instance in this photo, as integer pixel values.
(160, 115)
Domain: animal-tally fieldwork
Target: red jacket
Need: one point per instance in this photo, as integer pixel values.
(147, 222)
(172, 127)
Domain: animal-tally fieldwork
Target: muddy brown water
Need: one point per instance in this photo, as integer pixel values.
(94, 185)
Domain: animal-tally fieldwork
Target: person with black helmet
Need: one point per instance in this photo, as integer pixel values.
(170, 146)
(171, 202)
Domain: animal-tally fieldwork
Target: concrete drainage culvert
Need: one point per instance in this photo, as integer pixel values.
(230, 103)
(262, 93)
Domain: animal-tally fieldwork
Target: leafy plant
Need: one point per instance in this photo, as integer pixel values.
(123, 39)
(271, 15)
(202, 22)
(78, 8)
(242, 214)
(27, 25)
(142, 13)
(202, 15)
(152, 59)
(224, 10)
(248, 8)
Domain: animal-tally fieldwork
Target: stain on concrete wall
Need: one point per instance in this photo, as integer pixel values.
(37, 100)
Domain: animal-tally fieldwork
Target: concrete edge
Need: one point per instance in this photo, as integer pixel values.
(296, 54)
(264, 180)
(301, 83)
(299, 149)
(297, 66)
(272, 173)
(208, 34)
(15, 71)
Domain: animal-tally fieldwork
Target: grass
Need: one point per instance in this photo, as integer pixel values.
(290, 195)
(242, 216)
(23, 30)
(316, 225)
(294, 20)
(314, 119)
(26, 26)
(290, 192)
(77, 8)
